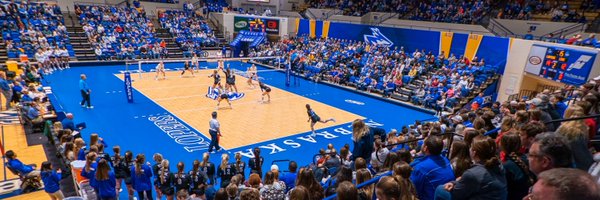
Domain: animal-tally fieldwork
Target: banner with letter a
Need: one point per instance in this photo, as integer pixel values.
(128, 87)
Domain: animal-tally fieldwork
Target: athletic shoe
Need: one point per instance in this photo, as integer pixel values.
(83, 106)
(313, 134)
(90, 107)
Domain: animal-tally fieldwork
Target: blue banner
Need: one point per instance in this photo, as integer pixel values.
(380, 35)
(128, 87)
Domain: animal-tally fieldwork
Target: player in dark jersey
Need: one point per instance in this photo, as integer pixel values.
(230, 79)
(165, 181)
(208, 168)
(313, 118)
(198, 179)
(266, 90)
(223, 95)
(226, 170)
(187, 67)
(181, 180)
(217, 79)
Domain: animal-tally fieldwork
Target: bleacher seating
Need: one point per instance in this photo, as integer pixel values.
(190, 30)
(120, 32)
(28, 27)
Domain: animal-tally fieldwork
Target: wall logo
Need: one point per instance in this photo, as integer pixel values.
(377, 38)
(354, 102)
(241, 24)
(535, 60)
(581, 61)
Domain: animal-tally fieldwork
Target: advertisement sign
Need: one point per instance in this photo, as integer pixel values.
(256, 24)
(559, 64)
(128, 87)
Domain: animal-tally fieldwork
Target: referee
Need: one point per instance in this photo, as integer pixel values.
(215, 132)
(85, 92)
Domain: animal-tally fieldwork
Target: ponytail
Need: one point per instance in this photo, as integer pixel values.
(117, 151)
(139, 161)
(224, 161)
(205, 157)
(163, 170)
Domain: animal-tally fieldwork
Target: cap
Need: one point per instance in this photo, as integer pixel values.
(535, 101)
(274, 167)
(457, 118)
(597, 78)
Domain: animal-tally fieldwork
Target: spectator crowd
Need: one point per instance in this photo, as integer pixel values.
(120, 32)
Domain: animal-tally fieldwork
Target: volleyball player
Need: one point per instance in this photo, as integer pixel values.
(313, 118)
(223, 95)
(266, 90)
(220, 64)
(187, 67)
(195, 64)
(230, 79)
(160, 69)
(252, 73)
(217, 79)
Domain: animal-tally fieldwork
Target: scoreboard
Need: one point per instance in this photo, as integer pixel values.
(559, 64)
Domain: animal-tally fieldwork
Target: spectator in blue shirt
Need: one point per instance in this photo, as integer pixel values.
(85, 92)
(479, 99)
(141, 176)
(106, 181)
(432, 170)
(289, 178)
(6, 90)
(51, 181)
(24, 170)
(68, 122)
(34, 114)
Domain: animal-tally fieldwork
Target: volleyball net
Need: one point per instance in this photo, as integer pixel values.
(139, 69)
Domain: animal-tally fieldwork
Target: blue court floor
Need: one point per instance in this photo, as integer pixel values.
(127, 125)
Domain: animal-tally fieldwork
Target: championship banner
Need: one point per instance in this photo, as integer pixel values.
(256, 24)
(128, 87)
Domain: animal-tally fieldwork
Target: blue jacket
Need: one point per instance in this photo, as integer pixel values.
(51, 181)
(428, 173)
(364, 147)
(141, 181)
(289, 179)
(68, 124)
(17, 165)
(107, 188)
(91, 175)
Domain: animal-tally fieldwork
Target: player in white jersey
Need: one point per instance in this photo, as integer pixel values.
(160, 69)
(252, 73)
(195, 62)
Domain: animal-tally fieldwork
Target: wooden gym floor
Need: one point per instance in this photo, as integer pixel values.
(249, 121)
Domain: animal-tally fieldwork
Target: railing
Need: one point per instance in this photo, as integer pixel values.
(575, 28)
(385, 17)
(494, 25)
(331, 13)
(309, 14)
